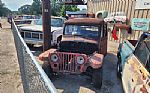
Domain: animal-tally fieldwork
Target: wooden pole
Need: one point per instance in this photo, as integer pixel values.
(46, 17)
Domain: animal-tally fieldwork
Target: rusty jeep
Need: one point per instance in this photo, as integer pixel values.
(81, 50)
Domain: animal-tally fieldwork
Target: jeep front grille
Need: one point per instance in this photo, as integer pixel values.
(67, 63)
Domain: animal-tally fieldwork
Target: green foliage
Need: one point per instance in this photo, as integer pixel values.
(57, 9)
(25, 9)
(4, 11)
(36, 7)
(64, 8)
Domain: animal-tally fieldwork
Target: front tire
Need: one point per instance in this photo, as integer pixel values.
(30, 45)
(47, 69)
(97, 77)
(119, 67)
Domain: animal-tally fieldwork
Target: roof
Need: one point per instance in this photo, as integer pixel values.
(82, 12)
(87, 21)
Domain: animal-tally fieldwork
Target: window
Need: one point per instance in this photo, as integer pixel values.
(142, 53)
(82, 30)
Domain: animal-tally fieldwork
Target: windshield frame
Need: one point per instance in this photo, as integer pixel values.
(40, 22)
(99, 29)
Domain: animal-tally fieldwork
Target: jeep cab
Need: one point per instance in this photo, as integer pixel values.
(81, 49)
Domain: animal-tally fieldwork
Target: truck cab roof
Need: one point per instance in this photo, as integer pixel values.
(87, 21)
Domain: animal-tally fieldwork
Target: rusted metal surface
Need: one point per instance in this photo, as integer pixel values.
(44, 55)
(88, 21)
(102, 43)
(67, 62)
(46, 16)
(77, 38)
(122, 26)
(96, 60)
(73, 2)
(103, 46)
(135, 78)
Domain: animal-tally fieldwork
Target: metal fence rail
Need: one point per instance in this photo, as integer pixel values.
(33, 77)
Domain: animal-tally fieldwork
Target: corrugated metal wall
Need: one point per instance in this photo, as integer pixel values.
(127, 6)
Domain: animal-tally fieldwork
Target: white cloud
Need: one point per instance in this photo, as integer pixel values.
(15, 4)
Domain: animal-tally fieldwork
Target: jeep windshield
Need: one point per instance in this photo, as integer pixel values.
(82, 30)
(55, 22)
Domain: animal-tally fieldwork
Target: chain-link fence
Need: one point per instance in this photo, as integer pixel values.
(33, 77)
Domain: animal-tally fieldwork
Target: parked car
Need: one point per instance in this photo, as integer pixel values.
(33, 22)
(101, 14)
(133, 65)
(81, 50)
(24, 19)
(34, 34)
(117, 16)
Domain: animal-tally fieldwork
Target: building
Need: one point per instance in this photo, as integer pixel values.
(77, 14)
(127, 6)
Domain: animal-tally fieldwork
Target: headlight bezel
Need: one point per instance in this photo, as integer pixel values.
(55, 56)
(80, 58)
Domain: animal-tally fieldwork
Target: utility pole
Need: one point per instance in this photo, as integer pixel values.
(46, 17)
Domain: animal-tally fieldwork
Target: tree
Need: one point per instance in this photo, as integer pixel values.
(67, 8)
(25, 9)
(36, 7)
(58, 9)
(3, 10)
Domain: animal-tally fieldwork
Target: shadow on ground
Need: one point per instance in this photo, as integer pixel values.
(82, 83)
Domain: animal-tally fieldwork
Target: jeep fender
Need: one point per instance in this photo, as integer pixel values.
(96, 60)
(44, 55)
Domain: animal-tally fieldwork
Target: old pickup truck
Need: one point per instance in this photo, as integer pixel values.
(80, 51)
(33, 34)
(133, 65)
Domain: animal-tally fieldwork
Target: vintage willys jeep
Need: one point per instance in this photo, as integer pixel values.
(81, 50)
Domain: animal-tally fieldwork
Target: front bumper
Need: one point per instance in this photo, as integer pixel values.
(34, 41)
(67, 62)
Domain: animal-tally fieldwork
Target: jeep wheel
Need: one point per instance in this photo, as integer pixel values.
(97, 78)
(47, 69)
(30, 45)
(119, 67)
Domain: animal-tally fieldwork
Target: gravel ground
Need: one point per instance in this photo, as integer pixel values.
(10, 80)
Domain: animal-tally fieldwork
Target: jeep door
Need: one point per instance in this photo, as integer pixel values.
(103, 39)
(136, 75)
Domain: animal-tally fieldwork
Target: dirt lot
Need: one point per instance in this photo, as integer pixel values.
(10, 81)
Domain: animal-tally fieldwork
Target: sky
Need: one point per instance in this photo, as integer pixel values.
(15, 4)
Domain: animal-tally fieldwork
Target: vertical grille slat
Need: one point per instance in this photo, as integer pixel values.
(68, 63)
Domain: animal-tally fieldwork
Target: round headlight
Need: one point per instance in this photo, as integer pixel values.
(80, 60)
(54, 57)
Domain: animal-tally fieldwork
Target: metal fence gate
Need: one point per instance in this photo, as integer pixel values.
(33, 77)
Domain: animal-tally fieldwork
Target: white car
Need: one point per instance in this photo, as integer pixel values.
(118, 16)
(33, 35)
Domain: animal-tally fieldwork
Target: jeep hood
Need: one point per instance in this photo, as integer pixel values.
(78, 39)
(39, 28)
